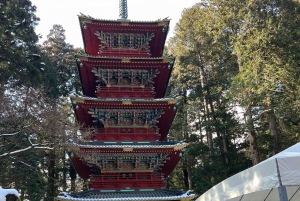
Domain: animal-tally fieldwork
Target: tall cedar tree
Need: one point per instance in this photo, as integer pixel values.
(61, 55)
(244, 53)
(19, 56)
(202, 75)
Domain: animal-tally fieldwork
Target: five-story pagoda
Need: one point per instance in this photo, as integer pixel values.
(124, 78)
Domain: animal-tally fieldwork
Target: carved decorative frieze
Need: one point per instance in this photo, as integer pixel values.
(125, 118)
(123, 77)
(130, 162)
(129, 41)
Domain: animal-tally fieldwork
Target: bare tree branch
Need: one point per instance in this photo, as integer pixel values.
(33, 146)
(15, 133)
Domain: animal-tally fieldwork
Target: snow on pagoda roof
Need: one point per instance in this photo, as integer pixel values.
(166, 58)
(83, 16)
(133, 145)
(81, 99)
(132, 195)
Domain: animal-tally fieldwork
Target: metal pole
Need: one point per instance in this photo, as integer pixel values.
(123, 11)
(281, 189)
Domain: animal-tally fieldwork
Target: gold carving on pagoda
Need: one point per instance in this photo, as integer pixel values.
(124, 23)
(78, 100)
(173, 101)
(129, 41)
(162, 23)
(86, 20)
(82, 58)
(125, 60)
(167, 60)
(127, 149)
(126, 102)
(180, 147)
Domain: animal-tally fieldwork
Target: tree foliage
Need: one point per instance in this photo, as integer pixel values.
(61, 54)
(238, 72)
(34, 119)
(19, 55)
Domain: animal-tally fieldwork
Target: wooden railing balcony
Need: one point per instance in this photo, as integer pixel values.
(126, 181)
(125, 92)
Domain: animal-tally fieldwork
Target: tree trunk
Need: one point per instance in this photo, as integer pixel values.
(64, 179)
(249, 122)
(51, 175)
(73, 177)
(252, 138)
(221, 138)
(187, 173)
(22, 195)
(206, 111)
(225, 147)
(273, 131)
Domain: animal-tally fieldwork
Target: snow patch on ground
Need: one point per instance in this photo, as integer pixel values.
(4, 192)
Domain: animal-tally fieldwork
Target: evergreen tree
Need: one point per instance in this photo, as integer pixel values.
(236, 55)
(19, 56)
(61, 55)
(202, 75)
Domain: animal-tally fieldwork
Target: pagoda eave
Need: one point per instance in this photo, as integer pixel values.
(88, 64)
(126, 146)
(173, 153)
(124, 101)
(125, 195)
(168, 106)
(89, 19)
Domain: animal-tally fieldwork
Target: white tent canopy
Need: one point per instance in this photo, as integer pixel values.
(262, 181)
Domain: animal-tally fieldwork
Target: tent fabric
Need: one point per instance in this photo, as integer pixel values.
(261, 181)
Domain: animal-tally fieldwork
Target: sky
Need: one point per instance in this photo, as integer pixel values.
(64, 12)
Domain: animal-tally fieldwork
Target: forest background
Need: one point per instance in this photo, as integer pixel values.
(237, 69)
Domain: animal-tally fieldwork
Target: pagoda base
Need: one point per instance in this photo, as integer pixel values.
(128, 194)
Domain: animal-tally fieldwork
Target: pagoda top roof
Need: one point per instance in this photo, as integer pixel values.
(87, 17)
(123, 37)
(134, 145)
(128, 194)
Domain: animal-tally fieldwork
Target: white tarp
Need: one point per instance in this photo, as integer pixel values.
(261, 181)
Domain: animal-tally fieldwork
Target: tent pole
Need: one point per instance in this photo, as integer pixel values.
(281, 189)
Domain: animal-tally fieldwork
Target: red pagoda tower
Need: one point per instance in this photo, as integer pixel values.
(124, 78)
